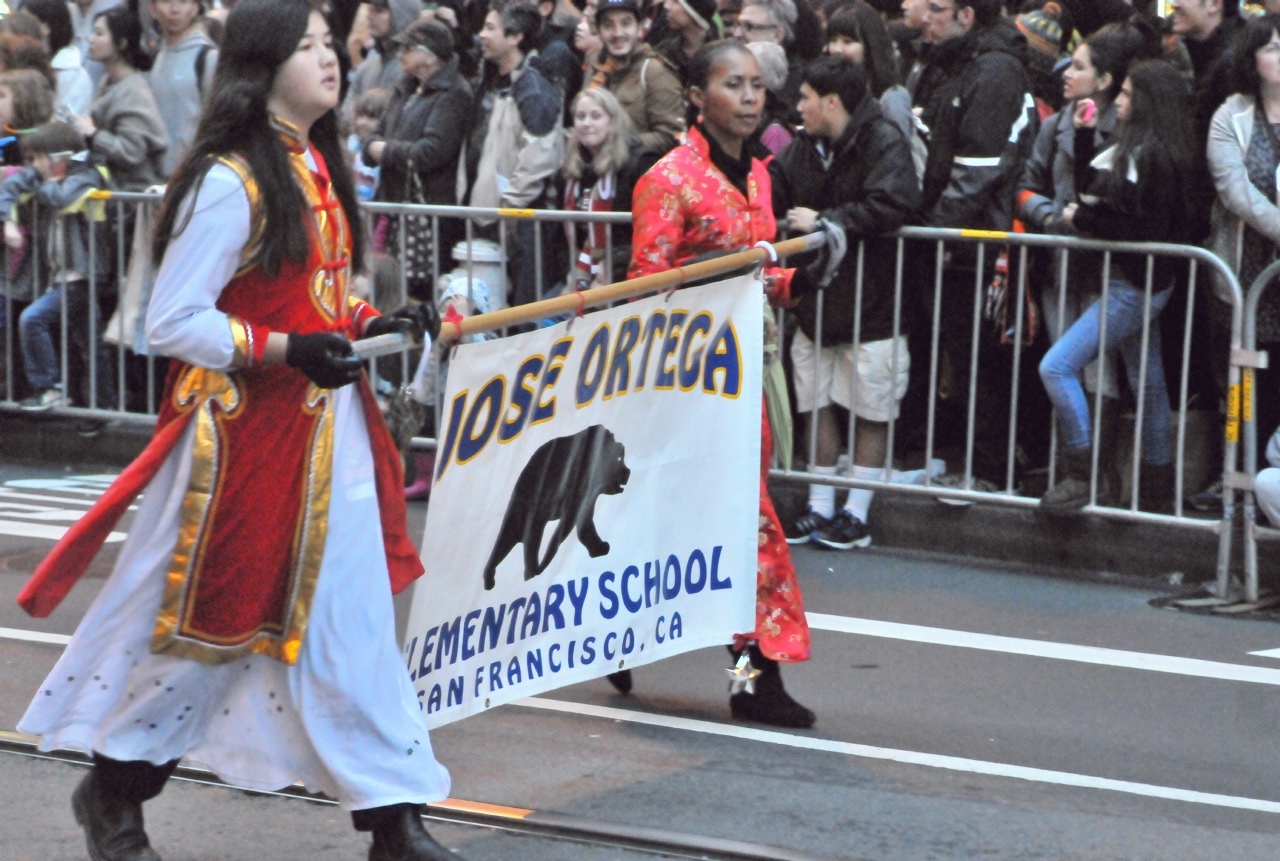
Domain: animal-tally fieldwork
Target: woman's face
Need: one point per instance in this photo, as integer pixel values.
(585, 38)
(102, 48)
(306, 86)
(1080, 79)
(1124, 101)
(1268, 60)
(733, 100)
(6, 106)
(841, 45)
(590, 123)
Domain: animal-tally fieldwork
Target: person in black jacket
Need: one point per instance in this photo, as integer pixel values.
(1136, 190)
(850, 174)
(419, 138)
(976, 101)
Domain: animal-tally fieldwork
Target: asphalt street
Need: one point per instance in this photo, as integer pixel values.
(963, 712)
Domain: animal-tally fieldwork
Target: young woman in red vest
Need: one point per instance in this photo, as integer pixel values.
(713, 194)
(248, 624)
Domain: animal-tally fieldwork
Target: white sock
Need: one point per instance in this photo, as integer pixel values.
(822, 497)
(859, 501)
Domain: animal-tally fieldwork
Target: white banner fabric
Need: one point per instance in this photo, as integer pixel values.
(596, 499)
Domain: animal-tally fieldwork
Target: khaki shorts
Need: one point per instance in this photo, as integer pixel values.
(878, 392)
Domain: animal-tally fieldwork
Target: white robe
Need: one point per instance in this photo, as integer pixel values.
(344, 719)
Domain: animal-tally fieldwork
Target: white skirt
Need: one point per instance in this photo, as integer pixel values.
(344, 719)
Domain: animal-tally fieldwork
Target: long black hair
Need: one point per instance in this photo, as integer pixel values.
(260, 36)
(862, 23)
(1158, 135)
(1115, 46)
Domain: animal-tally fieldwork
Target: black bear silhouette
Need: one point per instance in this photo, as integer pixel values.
(561, 482)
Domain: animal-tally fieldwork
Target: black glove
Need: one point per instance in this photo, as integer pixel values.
(325, 357)
(411, 320)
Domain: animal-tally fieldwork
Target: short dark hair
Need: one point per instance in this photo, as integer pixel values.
(1244, 64)
(838, 75)
(985, 12)
(50, 138)
(519, 19)
(57, 17)
(1230, 8)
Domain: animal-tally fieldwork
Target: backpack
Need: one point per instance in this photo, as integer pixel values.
(201, 62)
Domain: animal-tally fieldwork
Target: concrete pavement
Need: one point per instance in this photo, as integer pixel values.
(958, 713)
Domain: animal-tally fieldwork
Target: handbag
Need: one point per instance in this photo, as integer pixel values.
(416, 256)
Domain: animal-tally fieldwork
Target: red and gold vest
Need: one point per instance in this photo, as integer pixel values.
(256, 507)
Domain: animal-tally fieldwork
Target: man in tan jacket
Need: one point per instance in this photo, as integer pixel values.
(644, 84)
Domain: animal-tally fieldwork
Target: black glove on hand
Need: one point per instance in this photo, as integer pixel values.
(411, 320)
(325, 357)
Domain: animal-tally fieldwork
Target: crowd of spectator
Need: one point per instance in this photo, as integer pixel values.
(1092, 118)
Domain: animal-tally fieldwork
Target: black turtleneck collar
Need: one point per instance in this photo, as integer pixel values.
(735, 170)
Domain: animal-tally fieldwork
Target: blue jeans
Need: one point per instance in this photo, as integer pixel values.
(39, 328)
(1061, 367)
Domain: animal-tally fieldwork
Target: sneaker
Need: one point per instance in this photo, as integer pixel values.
(802, 529)
(843, 532)
(43, 401)
(1209, 499)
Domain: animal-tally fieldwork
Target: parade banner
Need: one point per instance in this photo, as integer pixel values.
(595, 502)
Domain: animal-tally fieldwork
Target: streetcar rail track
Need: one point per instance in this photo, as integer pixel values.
(532, 823)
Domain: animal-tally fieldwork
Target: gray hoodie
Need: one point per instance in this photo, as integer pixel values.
(178, 95)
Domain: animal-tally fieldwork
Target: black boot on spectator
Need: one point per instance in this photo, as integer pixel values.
(398, 834)
(108, 806)
(621, 680)
(1155, 488)
(770, 704)
(1071, 493)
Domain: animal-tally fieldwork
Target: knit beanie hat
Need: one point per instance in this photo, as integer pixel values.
(701, 11)
(432, 35)
(1042, 29)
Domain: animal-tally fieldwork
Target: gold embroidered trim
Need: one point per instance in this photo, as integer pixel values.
(243, 338)
(257, 219)
(205, 388)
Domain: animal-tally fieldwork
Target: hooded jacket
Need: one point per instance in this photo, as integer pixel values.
(515, 144)
(423, 125)
(867, 187)
(982, 123)
(381, 67)
(649, 92)
(180, 90)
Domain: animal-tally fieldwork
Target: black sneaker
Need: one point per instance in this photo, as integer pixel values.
(843, 532)
(802, 529)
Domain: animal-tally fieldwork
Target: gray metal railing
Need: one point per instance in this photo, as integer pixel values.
(940, 242)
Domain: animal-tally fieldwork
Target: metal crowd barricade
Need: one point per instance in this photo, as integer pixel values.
(945, 239)
(1249, 358)
(941, 240)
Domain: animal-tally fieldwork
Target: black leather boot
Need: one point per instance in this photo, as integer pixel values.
(621, 680)
(770, 704)
(108, 806)
(398, 834)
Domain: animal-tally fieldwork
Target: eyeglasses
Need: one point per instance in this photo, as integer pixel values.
(935, 9)
(755, 28)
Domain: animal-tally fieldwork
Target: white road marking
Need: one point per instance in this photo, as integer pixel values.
(1267, 653)
(34, 636)
(909, 757)
(1047, 649)
(39, 530)
(37, 497)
